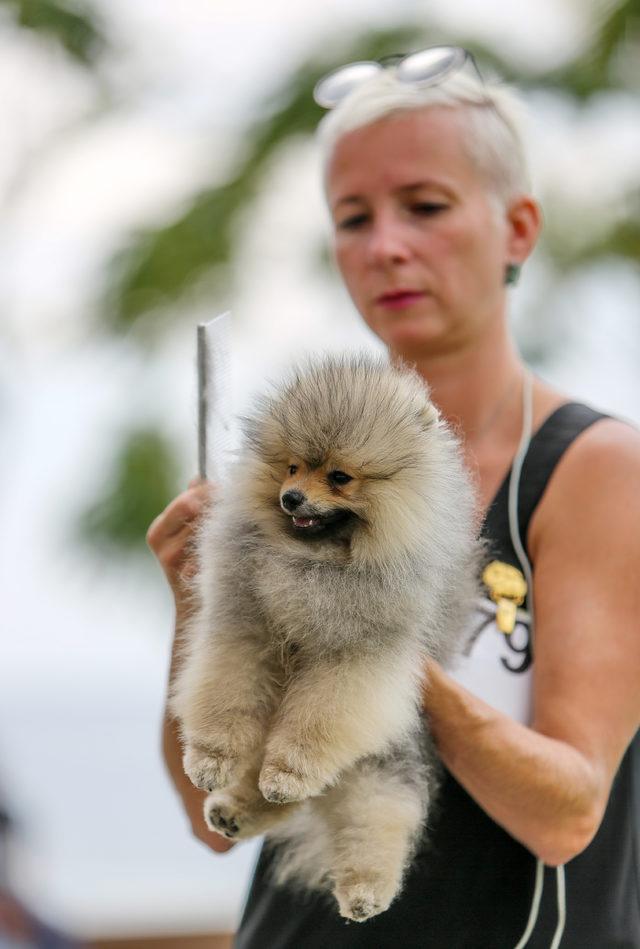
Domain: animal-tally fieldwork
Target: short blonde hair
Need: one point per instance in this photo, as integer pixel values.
(492, 120)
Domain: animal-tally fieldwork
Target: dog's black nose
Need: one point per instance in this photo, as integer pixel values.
(292, 499)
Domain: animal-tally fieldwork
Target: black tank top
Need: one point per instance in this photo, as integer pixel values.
(471, 885)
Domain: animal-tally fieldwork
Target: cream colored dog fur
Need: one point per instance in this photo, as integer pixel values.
(341, 556)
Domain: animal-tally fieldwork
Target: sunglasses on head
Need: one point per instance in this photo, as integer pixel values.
(425, 67)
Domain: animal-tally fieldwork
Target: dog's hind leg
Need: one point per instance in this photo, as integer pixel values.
(375, 819)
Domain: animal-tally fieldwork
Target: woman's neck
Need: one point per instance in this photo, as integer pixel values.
(478, 388)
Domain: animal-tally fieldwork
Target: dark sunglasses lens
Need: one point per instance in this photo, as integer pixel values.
(338, 84)
(430, 64)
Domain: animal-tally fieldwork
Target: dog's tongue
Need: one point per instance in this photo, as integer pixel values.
(304, 521)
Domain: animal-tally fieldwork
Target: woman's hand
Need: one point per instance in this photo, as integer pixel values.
(171, 537)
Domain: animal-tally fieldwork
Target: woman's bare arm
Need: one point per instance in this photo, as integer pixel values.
(170, 538)
(548, 785)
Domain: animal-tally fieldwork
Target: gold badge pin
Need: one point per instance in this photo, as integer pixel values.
(507, 588)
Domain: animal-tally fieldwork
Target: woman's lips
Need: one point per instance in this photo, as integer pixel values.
(399, 299)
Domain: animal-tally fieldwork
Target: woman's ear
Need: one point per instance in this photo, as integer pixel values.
(524, 222)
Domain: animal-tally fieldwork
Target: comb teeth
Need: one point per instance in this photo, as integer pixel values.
(217, 437)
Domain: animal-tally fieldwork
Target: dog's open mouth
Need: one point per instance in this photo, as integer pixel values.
(322, 525)
(306, 521)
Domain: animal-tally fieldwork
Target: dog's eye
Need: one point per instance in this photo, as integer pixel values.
(293, 469)
(339, 477)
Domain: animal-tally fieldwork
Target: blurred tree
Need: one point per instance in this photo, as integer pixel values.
(144, 476)
(611, 61)
(159, 267)
(76, 31)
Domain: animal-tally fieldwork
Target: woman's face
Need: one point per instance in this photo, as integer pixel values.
(420, 245)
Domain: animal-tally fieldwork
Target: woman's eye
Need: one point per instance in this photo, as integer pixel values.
(292, 469)
(428, 208)
(339, 477)
(351, 223)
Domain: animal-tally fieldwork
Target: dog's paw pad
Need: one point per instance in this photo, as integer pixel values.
(220, 819)
(205, 770)
(359, 901)
(282, 787)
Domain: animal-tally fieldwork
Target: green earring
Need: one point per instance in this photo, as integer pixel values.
(512, 274)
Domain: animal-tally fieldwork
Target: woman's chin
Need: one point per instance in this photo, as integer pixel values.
(409, 334)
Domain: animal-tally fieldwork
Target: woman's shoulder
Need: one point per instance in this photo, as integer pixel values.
(608, 450)
(594, 483)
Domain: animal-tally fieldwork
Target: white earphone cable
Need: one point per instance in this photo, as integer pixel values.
(514, 488)
(562, 907)
(535, 906)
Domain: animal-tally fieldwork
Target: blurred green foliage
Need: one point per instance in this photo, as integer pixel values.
(164, 264)
(616, 37)
(144, 480)
(77, 32)
(159, 267)
(621, 240)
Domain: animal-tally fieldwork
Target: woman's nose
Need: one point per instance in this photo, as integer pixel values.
(388, 242)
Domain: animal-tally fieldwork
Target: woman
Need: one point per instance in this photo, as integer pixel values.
(427, 188)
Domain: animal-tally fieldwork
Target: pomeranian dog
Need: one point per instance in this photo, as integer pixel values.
(342, 555)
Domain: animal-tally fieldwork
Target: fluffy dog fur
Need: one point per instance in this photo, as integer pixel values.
(341, 556)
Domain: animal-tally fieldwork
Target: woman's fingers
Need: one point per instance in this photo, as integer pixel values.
(182, 511)
(171, 534)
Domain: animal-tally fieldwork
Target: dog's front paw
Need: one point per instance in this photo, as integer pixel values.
(285, 787)
(239, 817)
(207, 770)
(361, 900)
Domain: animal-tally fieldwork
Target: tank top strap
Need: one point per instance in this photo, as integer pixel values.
(547, 446)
